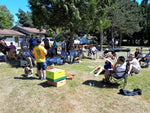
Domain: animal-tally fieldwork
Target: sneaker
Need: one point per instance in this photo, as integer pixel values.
(91, 73)
(40, 77)
(132, 74)
(96, 75)
(44, 78)
(31, 71)
(30, 75)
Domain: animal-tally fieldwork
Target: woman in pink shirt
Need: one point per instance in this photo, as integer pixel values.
(12, 48)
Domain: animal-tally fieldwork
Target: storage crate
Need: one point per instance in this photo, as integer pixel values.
(55, 73)
(57, 84)
(56, 80)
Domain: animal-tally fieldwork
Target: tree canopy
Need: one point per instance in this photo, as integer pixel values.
(6, 18)
(25, 18)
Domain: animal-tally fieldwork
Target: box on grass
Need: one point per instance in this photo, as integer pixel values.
(57, 84)
(55, 73)
(56, 80)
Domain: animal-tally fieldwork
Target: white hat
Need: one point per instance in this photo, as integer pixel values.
(109, 60)
(25, 47)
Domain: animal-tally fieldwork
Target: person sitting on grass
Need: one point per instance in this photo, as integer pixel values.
(93, 52)
(134, 65)
(108, 65)
(145, 59)
(113, 55)
(137, 53)
(64, 55)
(118, 69)
(72, 55)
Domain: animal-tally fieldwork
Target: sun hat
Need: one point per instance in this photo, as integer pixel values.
(109, 60)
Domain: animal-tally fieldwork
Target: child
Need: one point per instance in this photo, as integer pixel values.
(108, 65)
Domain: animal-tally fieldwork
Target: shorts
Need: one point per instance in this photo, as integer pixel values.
(135, 70)
(41, 65)
(112, 73)
(93, 52)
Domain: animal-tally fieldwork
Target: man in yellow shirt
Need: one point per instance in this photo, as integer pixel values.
(40, 53)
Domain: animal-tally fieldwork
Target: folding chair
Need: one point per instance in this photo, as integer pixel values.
(123, 78)
(11, 55)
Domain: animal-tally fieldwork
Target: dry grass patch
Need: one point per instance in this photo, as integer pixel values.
(19, 95)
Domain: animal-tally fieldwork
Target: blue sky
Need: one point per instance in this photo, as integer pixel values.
(14, 5)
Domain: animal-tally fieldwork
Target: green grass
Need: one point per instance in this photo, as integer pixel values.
(34, 96)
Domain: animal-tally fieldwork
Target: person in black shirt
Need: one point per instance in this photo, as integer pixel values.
(137, 53)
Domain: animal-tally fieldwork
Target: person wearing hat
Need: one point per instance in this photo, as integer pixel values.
(3, 47)
(108, 65)
(134, 65)
(40, 53)
(117, 71)
(28, 57)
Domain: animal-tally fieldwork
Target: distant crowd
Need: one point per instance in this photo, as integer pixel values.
(35, 54)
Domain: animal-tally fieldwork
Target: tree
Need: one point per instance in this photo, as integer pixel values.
(145, 9)
(6, 18)
(25, 19)
(100, 22)
(126, 18)
(74, 15)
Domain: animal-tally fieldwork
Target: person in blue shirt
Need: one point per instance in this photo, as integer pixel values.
(64, 55)
(55, 46)
(26, 54)
(145, 59)
(72, 55)
(31, 43)
(107, 66)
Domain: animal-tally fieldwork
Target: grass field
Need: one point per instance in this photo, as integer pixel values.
(30, 95)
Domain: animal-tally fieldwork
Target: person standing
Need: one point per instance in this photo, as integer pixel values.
(24, 42)
(40, 53)
(31, 43)
(55, 47)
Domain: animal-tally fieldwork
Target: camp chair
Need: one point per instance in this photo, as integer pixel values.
(20, 50)
(122, 78)
(11, 55)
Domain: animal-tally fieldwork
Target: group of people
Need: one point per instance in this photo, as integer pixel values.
(36, 56)
(143, 59)
(4, 48)
(119, 68)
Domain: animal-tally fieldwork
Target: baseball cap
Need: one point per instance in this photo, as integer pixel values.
(131, 55)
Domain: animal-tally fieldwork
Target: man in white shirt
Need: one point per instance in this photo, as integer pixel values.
(118, 69)
(93, 51)
(134, 65)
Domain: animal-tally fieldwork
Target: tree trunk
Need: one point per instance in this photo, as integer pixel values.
(101, 40)
(71, 38)
(120, 40)
(112, 37)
